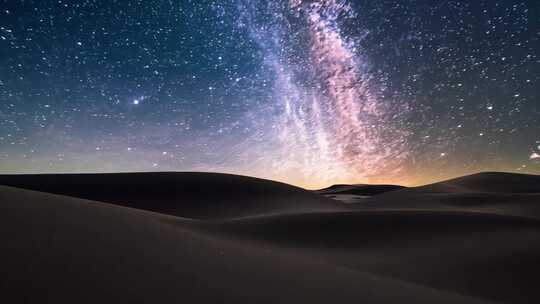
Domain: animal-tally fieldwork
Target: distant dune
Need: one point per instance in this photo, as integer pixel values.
(490, 192)
(492, 182)
(366, 190)
(352, 194)
(215, 238)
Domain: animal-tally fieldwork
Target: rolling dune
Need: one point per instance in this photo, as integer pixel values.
(265, 242)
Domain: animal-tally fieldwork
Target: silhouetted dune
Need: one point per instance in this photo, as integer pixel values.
(233, 239)
(186, 194)
(365, 190)
(483, 192)
(497, 182)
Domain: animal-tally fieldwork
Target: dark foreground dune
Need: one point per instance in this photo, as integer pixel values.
(406, 246)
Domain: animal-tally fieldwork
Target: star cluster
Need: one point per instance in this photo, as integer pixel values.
(308, 92)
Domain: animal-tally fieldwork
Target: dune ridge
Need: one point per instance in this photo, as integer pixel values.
(185, 194)
(367, 190)
(483, 192)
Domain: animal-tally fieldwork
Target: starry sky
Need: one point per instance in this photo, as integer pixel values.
(309, 92)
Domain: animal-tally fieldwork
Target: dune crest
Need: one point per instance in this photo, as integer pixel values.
(184, 194)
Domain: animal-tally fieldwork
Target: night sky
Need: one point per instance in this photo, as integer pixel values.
(307, 92)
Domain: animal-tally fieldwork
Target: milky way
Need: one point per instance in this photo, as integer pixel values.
(332, 126)
(307, 92)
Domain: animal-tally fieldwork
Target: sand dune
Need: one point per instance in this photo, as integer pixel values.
(352, 194)
(483, 192)
(461, 252)
(492, 182)
(186, 194)
(60, 249)
(366, 190)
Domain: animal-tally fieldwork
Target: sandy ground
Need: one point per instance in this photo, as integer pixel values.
(215, 238)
